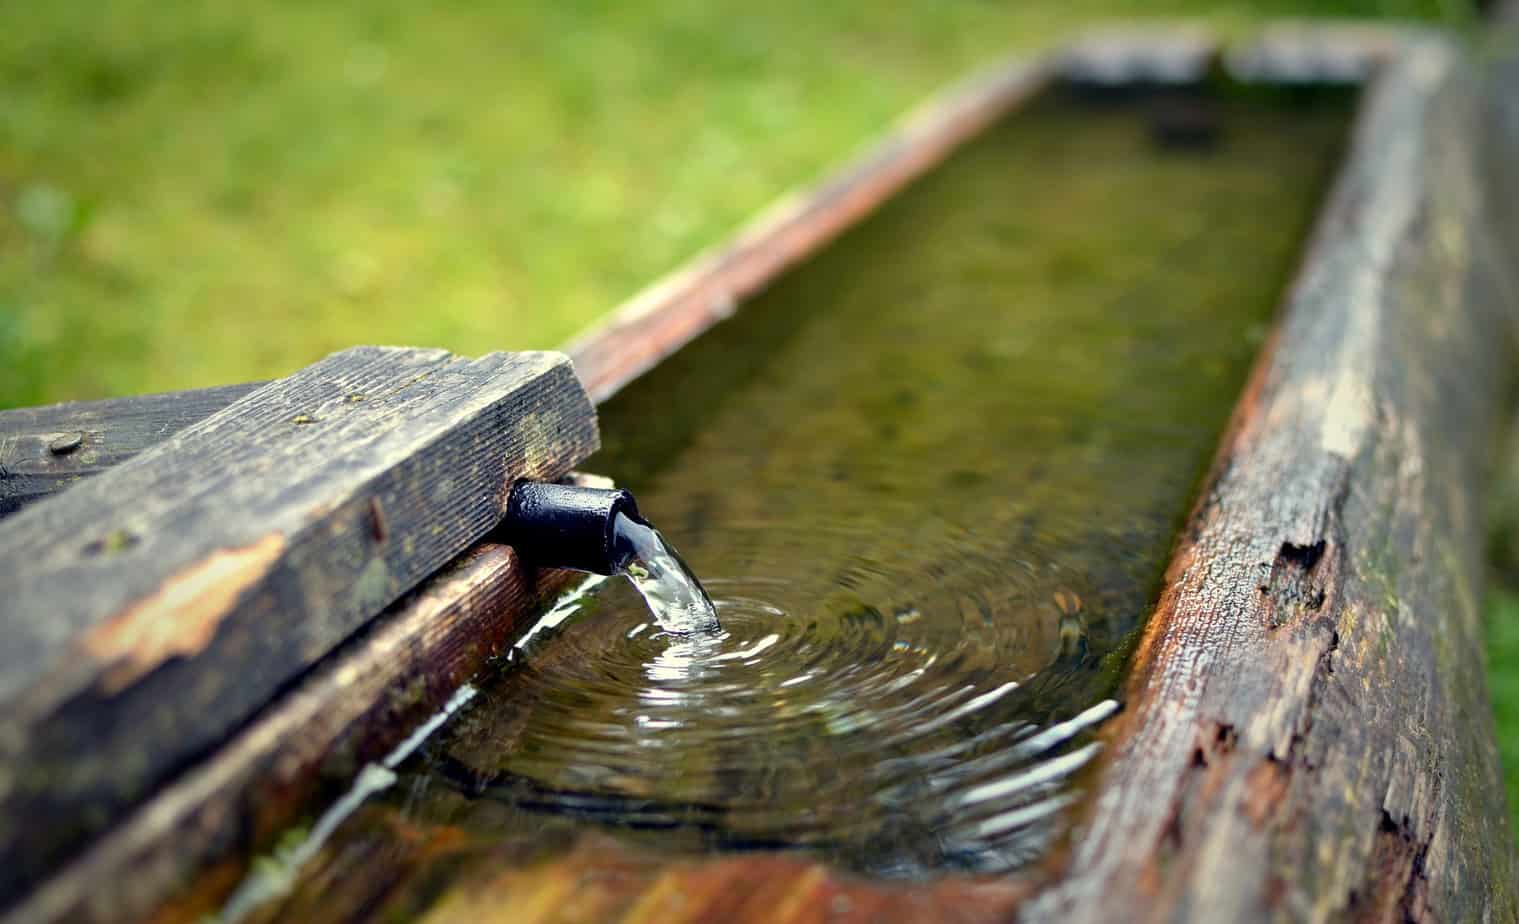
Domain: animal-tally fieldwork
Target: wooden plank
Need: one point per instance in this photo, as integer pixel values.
(350, 710)
(151, 610)
(1307, 733)
(46, 449)
(600, 879)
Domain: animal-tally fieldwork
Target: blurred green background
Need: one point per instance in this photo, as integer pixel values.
(198, 193)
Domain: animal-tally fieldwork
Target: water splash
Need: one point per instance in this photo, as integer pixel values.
(664, 580)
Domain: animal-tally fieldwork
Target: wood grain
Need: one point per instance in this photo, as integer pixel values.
(46, 449)
(600, 879)
(152, 609)
(1307, 734)
(350, 710)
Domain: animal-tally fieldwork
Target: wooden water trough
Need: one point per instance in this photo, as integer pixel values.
(1306, 735)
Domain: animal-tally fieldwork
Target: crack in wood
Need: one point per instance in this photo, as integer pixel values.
(1396, 890)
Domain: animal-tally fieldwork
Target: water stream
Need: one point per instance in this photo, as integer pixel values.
(675, 598)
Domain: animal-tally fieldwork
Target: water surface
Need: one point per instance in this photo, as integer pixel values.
(930, 480)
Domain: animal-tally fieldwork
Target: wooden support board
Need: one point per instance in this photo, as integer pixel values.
(1133, 56)
(46, 449)
(152, 609)
(1316, 53)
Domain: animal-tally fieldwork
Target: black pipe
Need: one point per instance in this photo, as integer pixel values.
(563, 526)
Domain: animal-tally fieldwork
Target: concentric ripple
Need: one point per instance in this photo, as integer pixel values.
(898, 726)
(930, 479)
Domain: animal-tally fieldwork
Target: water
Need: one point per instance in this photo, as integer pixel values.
(674, 596)
(930, 480)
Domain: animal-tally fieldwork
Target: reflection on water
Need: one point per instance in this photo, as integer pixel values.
(930, 479)
(888, 740)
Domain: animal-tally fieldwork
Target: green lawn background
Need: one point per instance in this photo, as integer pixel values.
(198, 193)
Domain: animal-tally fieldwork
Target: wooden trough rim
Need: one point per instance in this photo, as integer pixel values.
(350, 704)
(1200, 803)
(678, 308)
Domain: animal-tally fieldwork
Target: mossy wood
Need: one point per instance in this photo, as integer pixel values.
(1308, 735)
(151, 610)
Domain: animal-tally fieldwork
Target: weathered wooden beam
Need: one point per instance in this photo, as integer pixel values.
(350, 710)
(151, 610)
(1307, 733)
(46, 449)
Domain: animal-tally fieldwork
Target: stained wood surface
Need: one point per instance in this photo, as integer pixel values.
(46, 449)
(152, 609)
(1307, 734)
(352, 709)
(599, 879)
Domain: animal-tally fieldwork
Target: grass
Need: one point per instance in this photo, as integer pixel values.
(1503, 683)
(202, 193)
